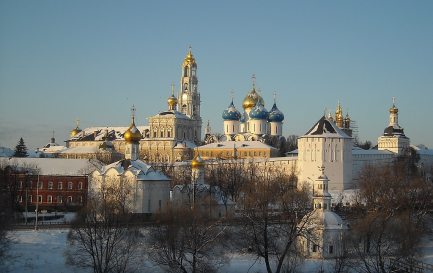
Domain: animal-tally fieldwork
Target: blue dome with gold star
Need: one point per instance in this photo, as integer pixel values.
(275, 115)
(259, 112)
(231, 113)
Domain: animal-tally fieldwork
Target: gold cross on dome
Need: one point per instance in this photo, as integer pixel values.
(254, 80)
(172, 88)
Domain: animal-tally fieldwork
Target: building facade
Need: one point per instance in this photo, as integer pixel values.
(170, 135)
(53, 184)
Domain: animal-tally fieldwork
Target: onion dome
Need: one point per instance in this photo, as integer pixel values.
(132, 134)
(393, 109)
(259, 112)
(75, 131)
(172, 100)
(231, 113)
(275, 115)
(251, 99)
(189, 59)
(197, 162)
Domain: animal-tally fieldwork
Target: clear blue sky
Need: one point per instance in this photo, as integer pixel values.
(63, 60)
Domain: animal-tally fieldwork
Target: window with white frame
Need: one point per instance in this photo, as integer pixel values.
(49, 199)
(39, 198)
(70, 185)
(59, 199)
(50, 185)
(80, 185)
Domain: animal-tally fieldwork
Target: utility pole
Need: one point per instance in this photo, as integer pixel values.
(37, 204)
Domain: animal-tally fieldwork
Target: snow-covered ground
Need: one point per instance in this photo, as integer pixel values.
(42, 251)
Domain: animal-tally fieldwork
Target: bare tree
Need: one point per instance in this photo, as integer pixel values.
(291, 143)
(229, 176)
(272, 209)
(187, 240)
(392, 221)
(102, 237)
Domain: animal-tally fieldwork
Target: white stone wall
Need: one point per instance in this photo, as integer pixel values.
(335, 154)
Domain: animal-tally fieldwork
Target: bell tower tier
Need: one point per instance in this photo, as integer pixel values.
(189, 97)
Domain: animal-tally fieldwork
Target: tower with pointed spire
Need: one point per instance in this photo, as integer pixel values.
(393, 138)
(189, 96)
(324, 229)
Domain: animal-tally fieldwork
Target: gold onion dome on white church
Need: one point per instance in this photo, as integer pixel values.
(132, 134)
(197, 162)
(251, 99)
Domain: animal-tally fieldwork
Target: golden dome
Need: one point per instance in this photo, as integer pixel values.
(75, 131)
(132, 134)
(197, 162)
(189, 59)
(172, 101)
(251, 100)
(393, 109)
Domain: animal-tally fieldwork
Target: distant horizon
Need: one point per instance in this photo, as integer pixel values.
(62, 61)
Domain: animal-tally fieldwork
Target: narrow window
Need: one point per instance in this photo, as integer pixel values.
(69, 199)
(70, 185)
(49, 199)
(59, 199)
(60, 185)
(80, 185)
(39, 198)
(50, 185)
(331, 249)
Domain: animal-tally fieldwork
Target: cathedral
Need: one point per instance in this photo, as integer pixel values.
(255, 123)
(170, 135)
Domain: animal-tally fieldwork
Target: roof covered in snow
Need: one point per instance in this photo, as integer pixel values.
(56, 166)
(104, 133)
(185, 144)
(325, 128)
(139, 168)
(172, 113)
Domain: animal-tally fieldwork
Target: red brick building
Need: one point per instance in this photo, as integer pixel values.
(51, 183)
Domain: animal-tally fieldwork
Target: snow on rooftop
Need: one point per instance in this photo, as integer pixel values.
(142, 170)
(56, 166)
(100, 133)
(325, 128)
(175, 114)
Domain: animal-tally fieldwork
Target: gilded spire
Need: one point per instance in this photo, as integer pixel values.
(133, 115)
